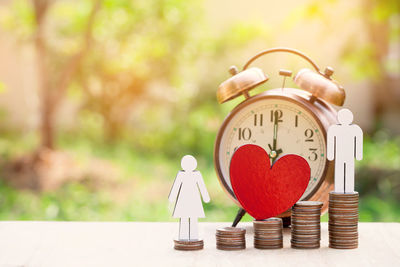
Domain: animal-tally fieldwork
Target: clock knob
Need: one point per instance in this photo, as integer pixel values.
(321, 86)
(240, 83)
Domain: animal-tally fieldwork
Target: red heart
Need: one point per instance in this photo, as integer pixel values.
(265, 191)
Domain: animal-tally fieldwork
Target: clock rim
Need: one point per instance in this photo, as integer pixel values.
(295, 96)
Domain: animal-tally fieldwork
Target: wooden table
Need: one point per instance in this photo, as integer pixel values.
(151, 244)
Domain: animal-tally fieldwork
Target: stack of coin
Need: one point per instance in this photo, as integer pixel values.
(231, 238)
(343, 220)
(188, 244)
(268, 233)
(306, 224)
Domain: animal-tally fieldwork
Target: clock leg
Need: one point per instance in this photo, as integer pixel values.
(241, 212)
(286, 222)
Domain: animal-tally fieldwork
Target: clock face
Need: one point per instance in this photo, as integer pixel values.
(279, 126)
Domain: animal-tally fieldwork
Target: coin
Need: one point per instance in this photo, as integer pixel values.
(270, 247)
(230, 238)
(305, 246)
(231, 248)
(343, 220)
(188, 244)
(311, 204)
(268, 233)
(306, 225)
(343, 196)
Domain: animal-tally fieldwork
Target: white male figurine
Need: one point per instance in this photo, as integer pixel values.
(345, 142)
(185, 191)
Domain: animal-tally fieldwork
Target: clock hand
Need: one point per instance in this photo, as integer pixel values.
(274, 153)
(278, 151)
(275, 130)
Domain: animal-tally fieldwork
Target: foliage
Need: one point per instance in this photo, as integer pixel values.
(2, 87)
(364, 53)
(142, 58)
(137, 43)
(140, 193)
(145, 92)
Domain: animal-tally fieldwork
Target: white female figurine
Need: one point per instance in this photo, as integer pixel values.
(188, 206)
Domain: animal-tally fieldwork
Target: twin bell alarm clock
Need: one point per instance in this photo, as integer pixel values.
(281, 121)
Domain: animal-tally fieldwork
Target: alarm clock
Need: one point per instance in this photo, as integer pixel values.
(282, 121)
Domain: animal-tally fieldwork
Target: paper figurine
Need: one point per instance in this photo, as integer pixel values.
(186, 190)
(345, 142)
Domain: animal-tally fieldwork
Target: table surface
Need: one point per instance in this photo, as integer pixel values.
(150, 244)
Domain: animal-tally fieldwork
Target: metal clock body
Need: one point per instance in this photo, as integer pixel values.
(282, 121)
(301, 130)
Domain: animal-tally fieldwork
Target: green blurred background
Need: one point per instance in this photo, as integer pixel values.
(100, 99)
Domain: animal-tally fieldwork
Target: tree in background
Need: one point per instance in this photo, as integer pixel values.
(382, 25)
(56, 69)
(106, 51)
(140, 47)
(372, 52)
(140, 66)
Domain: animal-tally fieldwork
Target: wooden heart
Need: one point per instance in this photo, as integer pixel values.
(265, 191)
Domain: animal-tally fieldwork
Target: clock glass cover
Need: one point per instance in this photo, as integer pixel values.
(280, 127)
